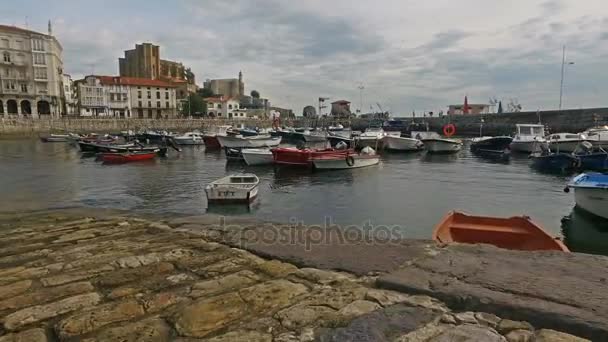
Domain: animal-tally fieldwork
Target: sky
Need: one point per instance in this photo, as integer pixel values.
(408, 55)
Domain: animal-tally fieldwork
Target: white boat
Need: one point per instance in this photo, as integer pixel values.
(367, 157)
(189, 138)
(238, 188)
(528, 138)
(56, 138)
(435, 143)
(598, 136)
(565, 142)
(591, 193)
(397, 143)
(257, 156)
(371, 137)
(248, 142)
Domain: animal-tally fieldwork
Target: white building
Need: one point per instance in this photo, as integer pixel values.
(118, 96)
(69, 96)
(31, 73)
(224, 107)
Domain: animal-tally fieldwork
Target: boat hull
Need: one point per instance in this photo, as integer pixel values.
(188, 141)
(594, 201)
(253, 142)
(397, 144)
(442, 146)
(557, 162)
(594, 161)
(373, 142)
(229, 196)
(525, 146)
(342, 163)
(303, 158)
(211, 142)
(565, 146)
(257, 157)
(126, 157)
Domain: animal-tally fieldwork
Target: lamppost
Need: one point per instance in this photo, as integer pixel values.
(360, 87)
(561, 87)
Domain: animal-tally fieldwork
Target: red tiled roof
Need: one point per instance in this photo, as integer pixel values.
(16, 29)
(134, 81)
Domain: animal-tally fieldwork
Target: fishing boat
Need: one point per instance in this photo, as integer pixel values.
(336, 138)
(401, 144)
(238, 188)
(371, 137)
(492, 146)
(210, 136)
(56, 138)
(248, 142)
(257, 156)
(565, 142)
(548, 161)
(103, 147)
(591, 193)
(327, 161)
(127, 157)
(591, 157)
(528, 138)
(598, 136)
(435, 143)
(291, 156)
(516, 233)
(189, 138)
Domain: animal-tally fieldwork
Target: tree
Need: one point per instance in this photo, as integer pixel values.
(255, 94)
(194, 105)
(205, 92)
(513, 106)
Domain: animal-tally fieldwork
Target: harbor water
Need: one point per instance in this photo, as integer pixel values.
(408, 192)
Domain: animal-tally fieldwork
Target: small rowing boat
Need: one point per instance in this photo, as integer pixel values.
(127, 157)
(517, 233)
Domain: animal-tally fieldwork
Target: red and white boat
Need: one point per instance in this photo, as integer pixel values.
(127, 157)
(367, 157)
(302, 157)
(210, 136)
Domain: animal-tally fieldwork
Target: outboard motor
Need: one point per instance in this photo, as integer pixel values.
(368, 150)
(584, 148)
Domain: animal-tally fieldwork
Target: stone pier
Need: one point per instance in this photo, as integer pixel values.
(76, 275)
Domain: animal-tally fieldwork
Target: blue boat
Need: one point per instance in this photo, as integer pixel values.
(591, 193)
(594, 161)
(554, 162)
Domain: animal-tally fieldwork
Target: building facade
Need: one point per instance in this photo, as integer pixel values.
(224, 107)
(340, 108)
(31, 73)
(126, 97)
(473, 109)
(69, 96)
(229, 87)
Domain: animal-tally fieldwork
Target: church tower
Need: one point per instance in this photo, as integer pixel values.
(50, 28)
(241, 84)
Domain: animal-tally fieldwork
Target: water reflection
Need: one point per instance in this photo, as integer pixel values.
(439, 158)
(585, 233)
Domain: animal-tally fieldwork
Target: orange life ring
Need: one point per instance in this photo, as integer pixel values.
(449, 130)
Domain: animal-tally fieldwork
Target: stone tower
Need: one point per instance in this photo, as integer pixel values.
(241, 84)
(50, 28)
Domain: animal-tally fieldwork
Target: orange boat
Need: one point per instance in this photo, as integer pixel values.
(518, 232)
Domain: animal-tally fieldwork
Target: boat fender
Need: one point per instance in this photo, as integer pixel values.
(449, 130)
(566, 189)
(350, 161)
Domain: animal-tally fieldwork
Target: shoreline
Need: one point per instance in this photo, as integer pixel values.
(125, 275)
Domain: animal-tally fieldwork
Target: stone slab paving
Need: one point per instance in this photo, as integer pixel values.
(68, 276)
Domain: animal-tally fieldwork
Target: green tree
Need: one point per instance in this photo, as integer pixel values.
(255, 94)
(194, 105)
(205, 92)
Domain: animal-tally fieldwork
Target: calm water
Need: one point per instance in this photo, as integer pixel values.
(413, 191)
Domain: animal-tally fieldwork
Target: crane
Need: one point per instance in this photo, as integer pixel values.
(379, 107)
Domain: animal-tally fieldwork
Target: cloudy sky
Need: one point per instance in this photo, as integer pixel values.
(408, 54)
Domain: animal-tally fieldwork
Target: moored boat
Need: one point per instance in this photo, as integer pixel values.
(492, 146)
(516, 233)
(56, 138)
(248, 142)
(210, 136)
(553, 162)
(591, 193)
(127, 157)
(372, 137)
(401, 144)
(238, 188)
(565, 142)
(367, 157)
(189, 138)
(598, 136)
(257, 156)
(435, 143)
(528, 138)
(291, 156)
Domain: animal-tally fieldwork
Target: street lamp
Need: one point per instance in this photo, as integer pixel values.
(360, 87)
(561, 87)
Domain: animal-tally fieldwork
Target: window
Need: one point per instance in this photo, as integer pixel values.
(7, 57)
(40, 73)
(149, 104)
(158, 94)
(139, 104)
(229, 106)
(37, 45)
(157, 104)
(39, 59)
(4, 44)
(139, 94)
(167, 104)
(149, 113)
(124, 97)
(19, 45)
(10, 85)
(149, 94)
(166, 95)
(219, 106)
(111, 97)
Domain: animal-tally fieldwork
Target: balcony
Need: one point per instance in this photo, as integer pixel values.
(14, 63)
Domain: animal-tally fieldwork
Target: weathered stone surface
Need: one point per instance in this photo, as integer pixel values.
(41, 312)
(76, 275)
(385, 297)
(358, 308)
(33, 335)
(161, 301)
(520, 336)
(271, 295)
(202, 317)
(507, 325)
(386, 324)
(424, 334)
(20, 258)
(250, 336)
(124, 276)
(20, 273)
(321, 276)
(276, 269)
(14, 288)
(78, 235)
(487, 319)
(179, 278)
(85, 322)
(138, 260)
(301, 315)
(149, 330)
(468, 332)
(448, 318)
(466, 317)
(547, 335)
(223, 284)
(45, 295)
